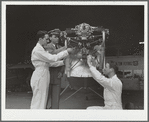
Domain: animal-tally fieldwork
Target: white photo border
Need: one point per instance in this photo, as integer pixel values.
(82, 115)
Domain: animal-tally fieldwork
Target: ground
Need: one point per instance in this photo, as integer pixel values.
(18, 97)
(81, 100)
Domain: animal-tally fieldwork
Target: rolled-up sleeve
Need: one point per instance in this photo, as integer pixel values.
(102, 80)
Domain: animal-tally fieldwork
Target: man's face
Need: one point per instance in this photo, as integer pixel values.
(45, 40)
(54, 39)
(107, 69)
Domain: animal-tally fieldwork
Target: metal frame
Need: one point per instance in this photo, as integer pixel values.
(79, 30)
(78, 91)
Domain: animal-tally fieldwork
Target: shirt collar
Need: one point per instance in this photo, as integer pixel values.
(39, 45)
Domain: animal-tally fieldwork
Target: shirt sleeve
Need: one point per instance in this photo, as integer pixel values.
(101, 79)
(47, 57)
(56, 64)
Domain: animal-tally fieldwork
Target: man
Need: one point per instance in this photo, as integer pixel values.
(54, 46)
(112, 85)
(56, 72)
(40, 79)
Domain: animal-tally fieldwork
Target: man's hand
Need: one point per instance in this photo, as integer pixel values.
(98, 49)
(65, 77)
(70, 50)
(64, 60)
(60, 75)
(91, 61)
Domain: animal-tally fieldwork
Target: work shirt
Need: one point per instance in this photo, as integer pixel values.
(40, 79)
(112, 89)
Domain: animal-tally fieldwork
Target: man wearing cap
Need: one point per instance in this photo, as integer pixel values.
(41, 61)
(56, 72)
(54, 47)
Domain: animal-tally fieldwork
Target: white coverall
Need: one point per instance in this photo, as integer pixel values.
(40, 79)
(112, 90)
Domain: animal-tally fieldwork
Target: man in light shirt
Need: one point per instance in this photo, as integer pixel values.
(112, 85)
(41, 61)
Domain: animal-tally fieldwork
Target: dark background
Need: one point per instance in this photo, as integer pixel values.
(125, 24)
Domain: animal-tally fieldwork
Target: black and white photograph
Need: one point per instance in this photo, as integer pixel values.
(76, 61)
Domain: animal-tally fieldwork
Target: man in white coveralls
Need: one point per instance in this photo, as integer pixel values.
(112, 85)
(42, 60)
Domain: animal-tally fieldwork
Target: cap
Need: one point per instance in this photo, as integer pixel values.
(54, 32)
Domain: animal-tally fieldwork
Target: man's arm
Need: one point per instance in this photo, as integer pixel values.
(62, 69)
(101, 79)
(56, 51)
(51, 49)
(47, 57)
(44, 56)
(56, 64)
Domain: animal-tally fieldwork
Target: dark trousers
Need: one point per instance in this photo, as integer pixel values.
(55, 96)
(55, 87)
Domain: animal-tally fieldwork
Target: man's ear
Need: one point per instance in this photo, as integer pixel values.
(40, 39)
(50, 38)
(112, 69)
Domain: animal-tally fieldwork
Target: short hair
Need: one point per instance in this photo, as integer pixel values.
(41, 34)
(113, 65)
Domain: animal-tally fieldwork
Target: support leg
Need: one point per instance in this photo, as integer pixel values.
(73, 94)
(95, 92)
(64, 90)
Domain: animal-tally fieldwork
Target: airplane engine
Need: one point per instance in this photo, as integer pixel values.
(86, 40)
